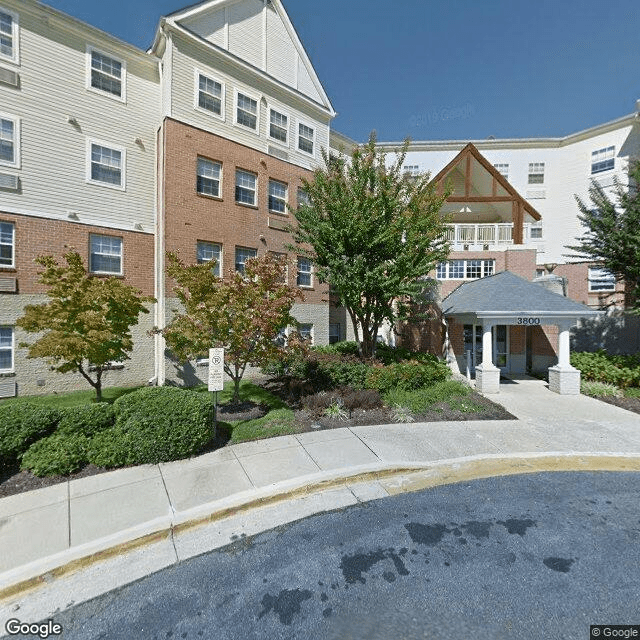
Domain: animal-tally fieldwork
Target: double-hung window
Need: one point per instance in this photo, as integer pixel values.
(105, 254)
(601, 280)
(503, 169)
(242, 255)
(278, 126)
(208, 177)
(277, 196)
(208, 251)
(106, 74)
(106, 165)
(9, 141)
(7, 244)
(305, 272)
(246, 183)
(536, 173)
(6, 349)
(464, 269)
(8, 35)
(603, 160)
(306, 332)
(334, 332)
(303, 198)
(210, 95)
(306, 137)
(247, 111)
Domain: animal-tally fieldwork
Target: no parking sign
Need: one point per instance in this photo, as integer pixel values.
(216, 369)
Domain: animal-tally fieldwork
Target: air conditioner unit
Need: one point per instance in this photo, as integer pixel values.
(8, 389)
(8, 285)
(8, 181)
(7, 76)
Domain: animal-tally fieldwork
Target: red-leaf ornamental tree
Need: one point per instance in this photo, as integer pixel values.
(244, 315)
(87, 321)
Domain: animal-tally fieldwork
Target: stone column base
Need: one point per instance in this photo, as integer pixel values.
(564, 380)
(487, 379)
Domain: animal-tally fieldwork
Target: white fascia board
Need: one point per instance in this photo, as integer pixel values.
(563, 315)
(233, 59)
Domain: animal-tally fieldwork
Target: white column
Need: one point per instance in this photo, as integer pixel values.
(487, 344)
(563, 347)
(563, 378)
(487, 374)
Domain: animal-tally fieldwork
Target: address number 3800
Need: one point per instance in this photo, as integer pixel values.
(529, 321)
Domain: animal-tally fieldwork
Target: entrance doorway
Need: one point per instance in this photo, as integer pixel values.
(500, 341)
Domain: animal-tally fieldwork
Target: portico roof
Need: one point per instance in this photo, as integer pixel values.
(506, 295)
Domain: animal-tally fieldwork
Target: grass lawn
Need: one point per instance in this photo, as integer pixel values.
(73, 398)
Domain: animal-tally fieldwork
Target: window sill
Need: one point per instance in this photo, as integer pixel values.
(108, 185)
(279, 213)
(8, 269)
(112, 96)
(208, 197)
(102, 274)
(248, 206)
(8, 374)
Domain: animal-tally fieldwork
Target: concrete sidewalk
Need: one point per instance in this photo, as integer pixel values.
(182, 508)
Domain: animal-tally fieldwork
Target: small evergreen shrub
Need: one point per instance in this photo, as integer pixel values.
(600, 389)
(59, 454)
(87, 419)
(407, 375)
(422, 400)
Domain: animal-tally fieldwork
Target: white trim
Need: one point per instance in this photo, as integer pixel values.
(221, 255)
(214, 162)
(16, 141)
(123, 169)
(235, 258)
(13, 348)
(310, 273)
(285, 199)
(108, 273)
(255, 190)
(13, 246)
(14, 58)
(244, 127)
(90, 49)
(196, 101)
(311, 331)
(271, 107)
(313, 127)
(483, 267)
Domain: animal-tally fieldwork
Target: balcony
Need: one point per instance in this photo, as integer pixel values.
(479, 236)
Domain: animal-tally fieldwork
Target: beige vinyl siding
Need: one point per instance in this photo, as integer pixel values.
(209, 26)
(53, 89)
(246, 31)
(282, 57)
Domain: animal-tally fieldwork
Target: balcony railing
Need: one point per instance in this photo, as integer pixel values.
(479, 234)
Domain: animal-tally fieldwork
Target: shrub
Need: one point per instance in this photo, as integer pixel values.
(422, 400)
(600, 389)
(402, 414)
(154, 424)
(87, 419)
(21, 424)
(59, 454)
(362, 399)
(336, 411)
(600, 366)
(406, 375)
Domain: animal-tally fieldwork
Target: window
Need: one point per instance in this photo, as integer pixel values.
(242, 255)
(208, 178)
(8, 35)
(503, 169)
(210, 94)
(106, 74)
(246, 187)
(306, 332)
(306, 137)
(277, 196)
(411, 170)
(208, 251)
(334, 332)
(540, 273)
(464, 269)
(282, 258)
(247, 111)
(536, 172)
(601, 280)
(278, 126)
(6, 349)
(9, 141)
(105, 254)
(106, 165)
(7, 244)
(603, 160)
(536, 233)
(305, 277)
(303, 198)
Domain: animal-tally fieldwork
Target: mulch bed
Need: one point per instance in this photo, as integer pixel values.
(630, 404)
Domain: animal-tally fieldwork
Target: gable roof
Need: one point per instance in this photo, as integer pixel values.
(505, 293)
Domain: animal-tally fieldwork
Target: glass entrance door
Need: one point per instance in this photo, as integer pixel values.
(501, 347)
(473, 343)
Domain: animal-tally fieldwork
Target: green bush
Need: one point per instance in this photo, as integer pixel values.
(154, 424)
(406, 375)
(59, 454)
(422, 400)
(87, 419)
(600, 366)
(21, 424)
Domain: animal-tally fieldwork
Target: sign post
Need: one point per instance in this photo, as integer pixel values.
(216, 379)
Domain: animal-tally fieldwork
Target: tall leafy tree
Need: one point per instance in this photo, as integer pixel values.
(372, 233)
(86, 324)
(612, 236)
(244, 315)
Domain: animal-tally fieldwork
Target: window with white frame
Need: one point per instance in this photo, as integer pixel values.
(106, 74)
(601, 280)
(540, 273)
(305, 272)
(208, 251)
(306, 136)
(246, 111)
(277, 196)
(242, 255)
(303, 198)
(9, 141)
(208, 177)
(603, 160)
(503, 169)
(278, 126)
(246, 187)
(210, 95)
(106, 165)
(7, 244)
(535, 233)
(411, 170)
(105, 254)
(8, 35)
(536, 173)
(6, 349)
(334, 332)
(464, 269)
(306, 332)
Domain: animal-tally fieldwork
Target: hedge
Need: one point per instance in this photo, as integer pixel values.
(600, 366)
(59, 454)
(87, 419)
(407, 376)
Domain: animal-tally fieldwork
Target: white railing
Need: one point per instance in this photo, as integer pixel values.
(480, 233)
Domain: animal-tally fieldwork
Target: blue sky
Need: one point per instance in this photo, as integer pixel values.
(454, 69)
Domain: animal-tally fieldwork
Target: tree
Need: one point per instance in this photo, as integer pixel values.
(243, 315)
(612, 236)
(87, 321)
(372, 233)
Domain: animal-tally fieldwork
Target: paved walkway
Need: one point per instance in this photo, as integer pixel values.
(310, 472)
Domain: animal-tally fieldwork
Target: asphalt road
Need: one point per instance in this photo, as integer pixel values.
(530, 556)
